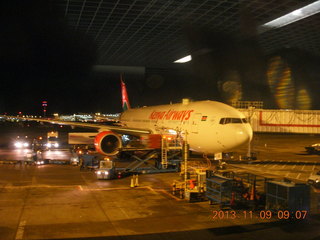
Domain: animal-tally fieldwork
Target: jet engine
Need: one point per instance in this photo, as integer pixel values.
(107, 143)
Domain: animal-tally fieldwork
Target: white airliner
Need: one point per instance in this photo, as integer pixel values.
(209, 127)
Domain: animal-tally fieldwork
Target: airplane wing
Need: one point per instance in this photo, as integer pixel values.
(98, 127)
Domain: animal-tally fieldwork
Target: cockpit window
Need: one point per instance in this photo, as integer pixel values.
(233, 120)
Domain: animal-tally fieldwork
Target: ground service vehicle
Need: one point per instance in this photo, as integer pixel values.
(52, 140)
(313, 149)
(314, 179)
(106, 169)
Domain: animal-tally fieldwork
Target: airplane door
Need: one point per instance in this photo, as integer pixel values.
(196, 118)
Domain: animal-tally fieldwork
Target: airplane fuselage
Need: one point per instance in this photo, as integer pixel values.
(209, 127)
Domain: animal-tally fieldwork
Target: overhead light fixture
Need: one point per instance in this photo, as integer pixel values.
(291, 17)
(184, 59)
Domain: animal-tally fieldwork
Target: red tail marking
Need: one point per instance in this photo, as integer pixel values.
(125, 98)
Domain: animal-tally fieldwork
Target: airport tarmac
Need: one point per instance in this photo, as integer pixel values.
(283, 155)
(61, 202)
(21, 154)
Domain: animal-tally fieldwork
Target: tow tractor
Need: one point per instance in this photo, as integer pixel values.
(52, 140)
(106, 169)
(36, 158)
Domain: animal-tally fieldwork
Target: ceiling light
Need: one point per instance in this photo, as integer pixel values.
(291, 17)
(297, 12)
(184, 59)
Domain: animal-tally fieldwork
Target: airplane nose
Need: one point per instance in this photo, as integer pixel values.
(244, 135)
(238, 135)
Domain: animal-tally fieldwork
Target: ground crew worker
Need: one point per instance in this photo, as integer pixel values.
(81, 163)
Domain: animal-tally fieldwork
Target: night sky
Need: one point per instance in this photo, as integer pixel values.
(41, 58)
(44, 59)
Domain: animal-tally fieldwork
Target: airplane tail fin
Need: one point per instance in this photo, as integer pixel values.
(125, 99)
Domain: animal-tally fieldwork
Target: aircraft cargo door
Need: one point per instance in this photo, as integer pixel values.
(195, 122)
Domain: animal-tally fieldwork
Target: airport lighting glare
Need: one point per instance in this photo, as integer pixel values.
(184, 59)
(171, 131)
(291, 17)
(21, 144)
(18, 145)
(296, 15)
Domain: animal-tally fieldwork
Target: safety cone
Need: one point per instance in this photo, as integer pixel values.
(192, 184)
(136, 184)
(132, 182)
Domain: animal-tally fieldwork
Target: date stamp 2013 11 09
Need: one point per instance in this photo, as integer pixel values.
(263, 214)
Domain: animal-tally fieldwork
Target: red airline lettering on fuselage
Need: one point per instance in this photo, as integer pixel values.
(156, 115)
(171, 115)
